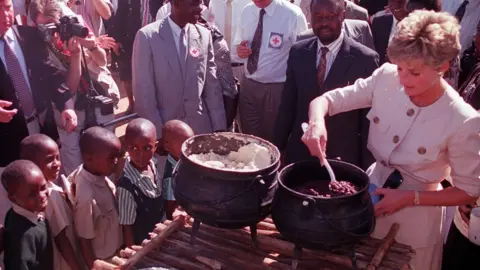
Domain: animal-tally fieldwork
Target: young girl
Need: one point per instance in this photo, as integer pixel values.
(44, 152)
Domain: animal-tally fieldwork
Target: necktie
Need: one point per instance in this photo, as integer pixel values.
(183, 51)
(18, 80)
(256, 43)
(322, 67)
(461, 11)
(228, 23)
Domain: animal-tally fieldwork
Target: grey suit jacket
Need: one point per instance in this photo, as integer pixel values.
(163, 93)
(355, 29)
(355, 12)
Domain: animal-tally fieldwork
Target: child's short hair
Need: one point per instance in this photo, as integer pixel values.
(15, 174)
(140, 126)
(30, 146)
(94, 139)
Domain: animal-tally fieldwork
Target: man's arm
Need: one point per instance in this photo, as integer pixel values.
(143, 82)
(287, 110)
(212, 92)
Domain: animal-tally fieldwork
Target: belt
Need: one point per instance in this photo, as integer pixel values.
(31, 118)
(237, 64)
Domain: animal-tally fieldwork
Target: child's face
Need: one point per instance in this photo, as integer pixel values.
(141, 149)
(33, 195)
(174, 146)
(48, 160)
(104, 163)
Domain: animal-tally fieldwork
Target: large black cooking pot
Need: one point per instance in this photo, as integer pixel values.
(220, 197)
(315, 222)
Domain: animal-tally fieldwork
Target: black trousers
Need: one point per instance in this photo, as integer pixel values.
(459, 253)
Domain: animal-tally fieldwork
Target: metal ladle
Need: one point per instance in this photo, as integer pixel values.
(325, 161)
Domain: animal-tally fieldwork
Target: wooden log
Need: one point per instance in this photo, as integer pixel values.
(173, 261)
(118, 261)
(266, 226)
(155, 242)
(386, 243)
(232, 250)
(126, 253)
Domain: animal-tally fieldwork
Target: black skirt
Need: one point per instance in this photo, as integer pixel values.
(459, 253)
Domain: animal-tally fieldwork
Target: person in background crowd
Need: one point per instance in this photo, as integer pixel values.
(141, 193)
(384, 26)
(225, 14)
(69, 61)
(373, 6)
(28, 241)
(166, 9)
(174, 73)
(315, 66)
(470, 58)
(266, 31)
(95, 210)
(467, 13)
(435, 5)
(459, 252)
(355, 29)
(420, 129)
(26, 97)
(224, 72)
(124, 33)
(175, 133)
(352, 11)
(93, 13)
(43, 151)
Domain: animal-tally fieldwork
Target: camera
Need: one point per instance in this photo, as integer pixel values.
(104, 103)
(68, 27)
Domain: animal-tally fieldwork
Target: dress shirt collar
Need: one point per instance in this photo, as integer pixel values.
(333, 47)
(10, 35)
(270, 9)
(175, 28)
(31, 216)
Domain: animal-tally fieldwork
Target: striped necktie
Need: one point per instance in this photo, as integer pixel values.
(461, 11)
(252, 62)
(19, 82)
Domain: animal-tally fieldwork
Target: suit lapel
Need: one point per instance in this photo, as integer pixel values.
(170, 48)
(194, 51)
(310, 63)
(339, 68)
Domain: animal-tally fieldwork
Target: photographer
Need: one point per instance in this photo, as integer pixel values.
(84, 64)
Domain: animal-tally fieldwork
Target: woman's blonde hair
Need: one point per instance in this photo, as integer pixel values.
(428, 35)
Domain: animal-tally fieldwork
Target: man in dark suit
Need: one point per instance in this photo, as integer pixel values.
(29, 84)
(384, 26)
(316, 65)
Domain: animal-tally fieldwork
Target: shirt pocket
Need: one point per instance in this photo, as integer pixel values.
(378, 121)
(378, 133)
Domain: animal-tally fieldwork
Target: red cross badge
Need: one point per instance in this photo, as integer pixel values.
(194, 52)
(275, 41)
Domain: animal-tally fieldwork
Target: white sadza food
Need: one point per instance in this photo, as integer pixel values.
(250, 157)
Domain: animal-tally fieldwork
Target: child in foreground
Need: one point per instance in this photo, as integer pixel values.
(141, 193)
(95, 212)
(174, 132)
(28, 242)
(44, 152)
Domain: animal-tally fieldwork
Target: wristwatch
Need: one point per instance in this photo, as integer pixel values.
(416, 199)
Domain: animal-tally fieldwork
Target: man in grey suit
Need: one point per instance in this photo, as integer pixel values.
(355, 29)
(174, 74)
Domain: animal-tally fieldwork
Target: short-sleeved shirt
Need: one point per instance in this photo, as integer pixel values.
(60, 217)
(95, 212)
(161, 187)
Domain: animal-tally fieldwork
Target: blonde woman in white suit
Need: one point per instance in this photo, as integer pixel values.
(419, 126)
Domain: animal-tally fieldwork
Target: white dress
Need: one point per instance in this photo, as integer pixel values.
(426, 144)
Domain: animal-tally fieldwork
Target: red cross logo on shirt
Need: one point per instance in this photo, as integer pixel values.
(194, 52)
(276, 41)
